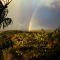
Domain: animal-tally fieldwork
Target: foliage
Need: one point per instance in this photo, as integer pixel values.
(4, 20)
(32, 44)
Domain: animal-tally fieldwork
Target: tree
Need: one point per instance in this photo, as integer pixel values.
(4, 21)
(3, 13)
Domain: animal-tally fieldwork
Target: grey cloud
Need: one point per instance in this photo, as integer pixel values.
(22, 12)
(48, 17)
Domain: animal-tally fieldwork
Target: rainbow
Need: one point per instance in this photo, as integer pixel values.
(42, 3)
(32, 19)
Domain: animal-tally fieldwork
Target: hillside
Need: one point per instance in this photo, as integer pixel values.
(30, 45)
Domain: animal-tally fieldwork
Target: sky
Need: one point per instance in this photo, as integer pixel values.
(34, 14)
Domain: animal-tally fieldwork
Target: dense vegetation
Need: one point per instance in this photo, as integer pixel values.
(30, 45)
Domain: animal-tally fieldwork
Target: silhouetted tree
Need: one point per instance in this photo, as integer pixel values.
(4, 21)
(3, 13)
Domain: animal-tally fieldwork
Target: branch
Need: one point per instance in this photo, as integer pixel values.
(8, 3)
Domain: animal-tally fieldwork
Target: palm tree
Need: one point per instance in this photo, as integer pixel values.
(3, 13)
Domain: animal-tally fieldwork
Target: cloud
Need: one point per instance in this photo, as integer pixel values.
(21, 12)
(46, 17)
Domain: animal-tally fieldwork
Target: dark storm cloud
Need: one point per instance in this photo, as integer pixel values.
(48, 17)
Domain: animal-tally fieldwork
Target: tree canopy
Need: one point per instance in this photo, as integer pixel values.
(4, 20)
